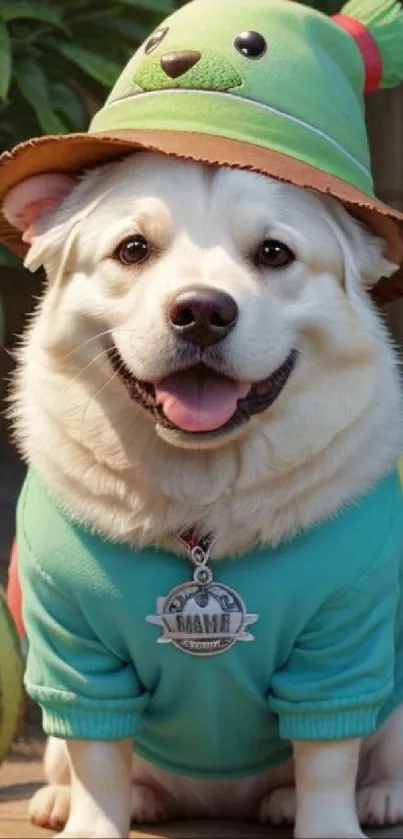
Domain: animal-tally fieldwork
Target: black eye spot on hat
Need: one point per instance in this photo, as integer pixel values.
(250, 44)
(156, 39)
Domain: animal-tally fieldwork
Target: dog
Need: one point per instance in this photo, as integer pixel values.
(206, 358)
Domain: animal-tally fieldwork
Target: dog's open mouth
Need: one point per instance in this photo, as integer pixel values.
(199, 400)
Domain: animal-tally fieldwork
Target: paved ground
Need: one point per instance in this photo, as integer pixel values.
(20, 776)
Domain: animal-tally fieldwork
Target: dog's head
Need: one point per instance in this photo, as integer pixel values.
(214, 301)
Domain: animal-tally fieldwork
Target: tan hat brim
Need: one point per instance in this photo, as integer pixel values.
(77, 152)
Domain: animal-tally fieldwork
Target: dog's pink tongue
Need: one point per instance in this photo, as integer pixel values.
(195, 402)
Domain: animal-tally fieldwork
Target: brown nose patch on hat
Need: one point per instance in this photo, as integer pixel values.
(176, 64)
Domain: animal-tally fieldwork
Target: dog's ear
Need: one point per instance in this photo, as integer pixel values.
(28, 202)
(45, 208)
(364, 253)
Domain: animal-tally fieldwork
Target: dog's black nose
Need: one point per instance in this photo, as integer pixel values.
(177, 63)
(202, 316)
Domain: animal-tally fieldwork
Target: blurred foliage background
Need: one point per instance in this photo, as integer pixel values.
(59, 57)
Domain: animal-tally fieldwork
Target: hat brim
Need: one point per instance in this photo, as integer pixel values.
(77, 152)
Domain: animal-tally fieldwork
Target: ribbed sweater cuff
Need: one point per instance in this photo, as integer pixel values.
(71, 717)
(319, 725)
(85, 725)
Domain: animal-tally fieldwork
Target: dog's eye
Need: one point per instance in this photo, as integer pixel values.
(274, 254)
(250, 44)
(155, 40)
(132, 251)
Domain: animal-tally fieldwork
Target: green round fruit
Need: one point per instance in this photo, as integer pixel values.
(11, 670)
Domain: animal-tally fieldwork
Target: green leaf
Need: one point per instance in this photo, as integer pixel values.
(100, 41)
(8, 259)
(100, 68)
(132, 32)
(164, 7)
(17, 121)
(71, 8)
(92, 15)
(31, 9)
(58, 56)
(60, 68)
(32, 83)
(67, 102)
(5, 60)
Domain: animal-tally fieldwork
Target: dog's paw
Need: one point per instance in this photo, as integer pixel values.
(278, 807)
(381, 804)
(50, 807)
(148, 805)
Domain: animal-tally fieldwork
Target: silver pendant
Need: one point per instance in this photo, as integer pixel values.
(202, 617)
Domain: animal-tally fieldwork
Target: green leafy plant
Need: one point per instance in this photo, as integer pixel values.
(58, 59)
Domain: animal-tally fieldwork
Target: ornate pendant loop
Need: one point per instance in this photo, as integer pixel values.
(202, 617)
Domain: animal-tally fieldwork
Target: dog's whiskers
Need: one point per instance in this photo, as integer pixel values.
(99, 355)
(94, 338)
(94, 396)
(85, 343)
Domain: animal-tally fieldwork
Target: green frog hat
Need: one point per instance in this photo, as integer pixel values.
(266, 85)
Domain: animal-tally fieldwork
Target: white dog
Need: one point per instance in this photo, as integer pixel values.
(206, 356)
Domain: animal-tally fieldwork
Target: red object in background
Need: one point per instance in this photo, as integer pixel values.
(14, 592)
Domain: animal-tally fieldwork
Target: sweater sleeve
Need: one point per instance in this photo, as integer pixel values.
(85, 691)
(341, 671)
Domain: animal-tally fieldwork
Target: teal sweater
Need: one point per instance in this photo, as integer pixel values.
(319, 663)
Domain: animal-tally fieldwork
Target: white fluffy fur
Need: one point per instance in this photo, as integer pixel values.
(333, 432)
